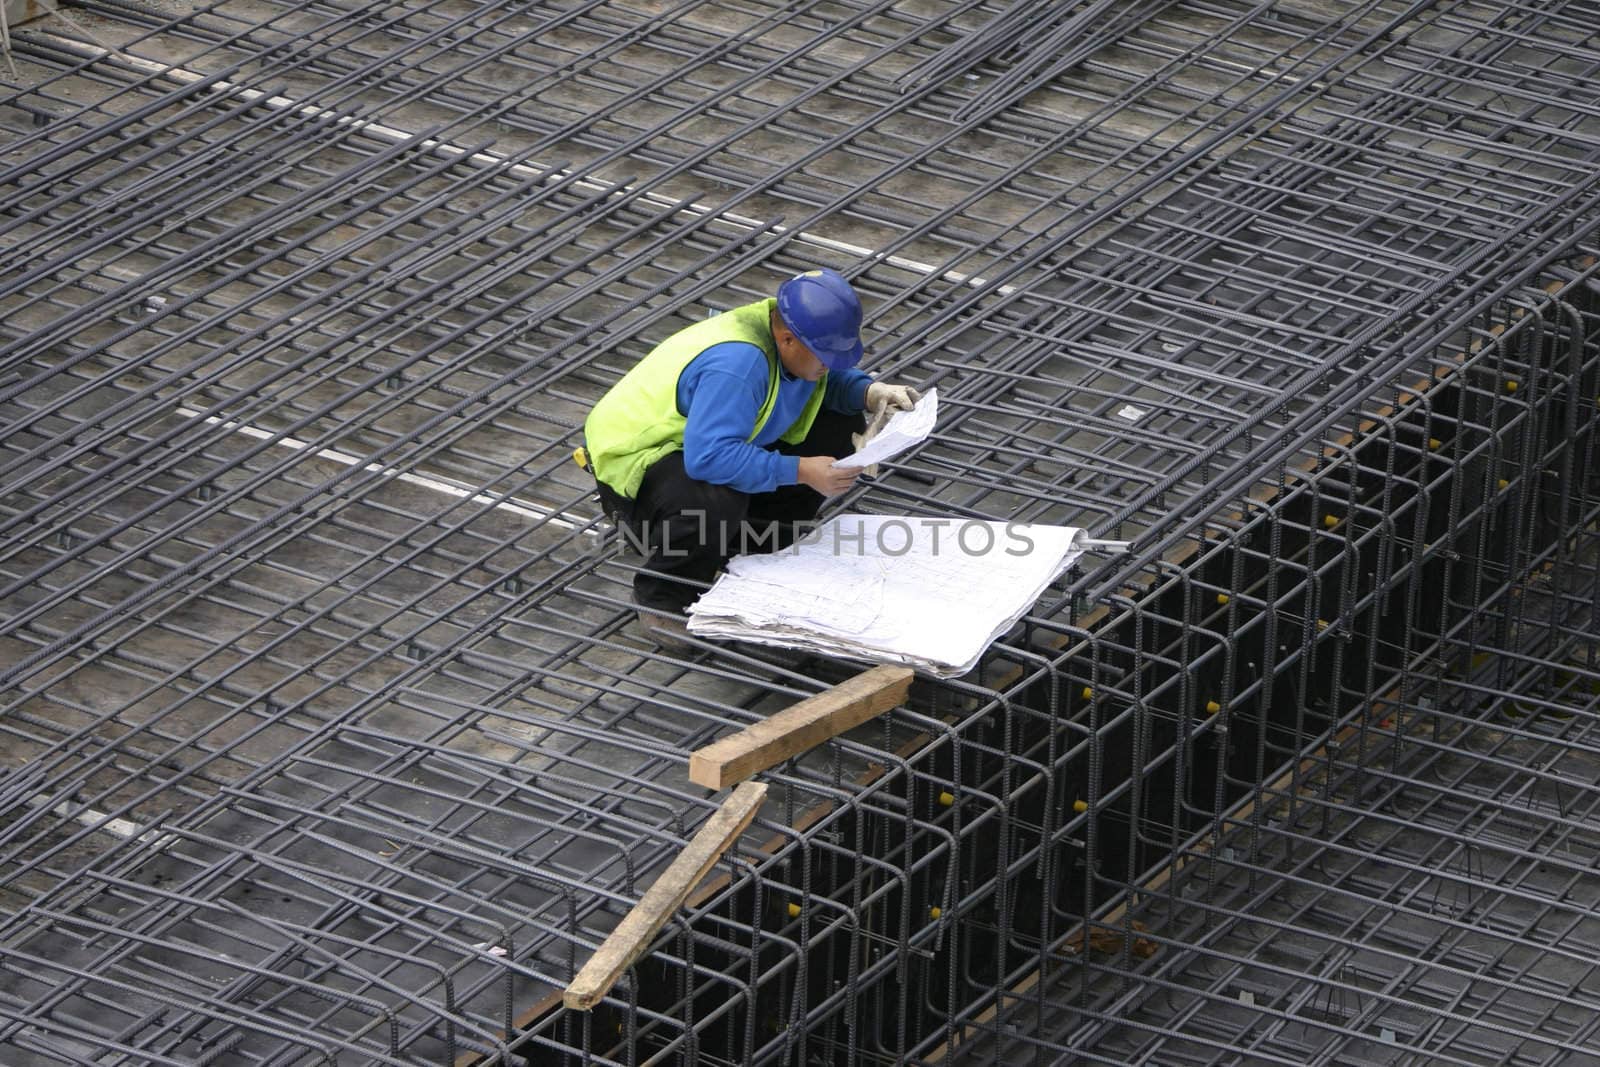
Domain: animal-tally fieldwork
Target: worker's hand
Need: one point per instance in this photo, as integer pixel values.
(897, 397)
(820, 474)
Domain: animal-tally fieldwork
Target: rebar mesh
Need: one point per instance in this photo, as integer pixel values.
(329, 738)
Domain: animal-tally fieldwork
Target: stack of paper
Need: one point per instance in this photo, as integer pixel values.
(930, 593)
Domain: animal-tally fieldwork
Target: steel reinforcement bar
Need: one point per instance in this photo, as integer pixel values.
(327, 735)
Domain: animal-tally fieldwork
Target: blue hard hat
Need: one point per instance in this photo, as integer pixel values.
(825, 313)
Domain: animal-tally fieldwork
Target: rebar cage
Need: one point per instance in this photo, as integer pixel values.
(327, 733)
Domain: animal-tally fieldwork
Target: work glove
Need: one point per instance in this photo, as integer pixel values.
(893, 397)
(877, 419)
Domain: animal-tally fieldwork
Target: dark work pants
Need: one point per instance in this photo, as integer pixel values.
(689, 528)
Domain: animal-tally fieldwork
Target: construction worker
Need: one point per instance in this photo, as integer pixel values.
(722, 439)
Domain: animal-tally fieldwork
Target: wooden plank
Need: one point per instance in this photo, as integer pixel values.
(799, 727)
(806, 819)
(638, 928)
(817, 812)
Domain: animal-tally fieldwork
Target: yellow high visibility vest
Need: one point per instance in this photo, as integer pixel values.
(637, 421)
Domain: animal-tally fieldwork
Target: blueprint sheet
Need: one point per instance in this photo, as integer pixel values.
(929, 593)
(903, 430)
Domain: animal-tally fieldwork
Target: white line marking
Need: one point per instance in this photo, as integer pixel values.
(526, 510)
(98, 820)
(494, 159)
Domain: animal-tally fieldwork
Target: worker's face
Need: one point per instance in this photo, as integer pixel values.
(797, 358)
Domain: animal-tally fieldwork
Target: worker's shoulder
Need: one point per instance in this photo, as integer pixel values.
(733, 357)
(728, 372)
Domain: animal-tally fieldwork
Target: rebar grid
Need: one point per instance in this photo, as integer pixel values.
(1422, 892)
(1411, 628)
(307, 612)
